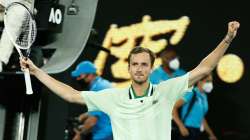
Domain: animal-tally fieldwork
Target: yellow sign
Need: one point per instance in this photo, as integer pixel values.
(120, 42)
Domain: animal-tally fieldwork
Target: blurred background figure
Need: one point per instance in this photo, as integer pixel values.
(194, 106)
(6, 46)
(96, 122)
(170, 67)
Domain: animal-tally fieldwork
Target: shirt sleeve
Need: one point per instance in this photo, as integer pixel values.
(174, 88)
(99, 100)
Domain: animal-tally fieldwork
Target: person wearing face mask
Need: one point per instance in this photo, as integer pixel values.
(170, 67)
(140, 111)
(194, 106)
(96, 121)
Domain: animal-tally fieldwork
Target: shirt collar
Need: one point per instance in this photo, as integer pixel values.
(149, 91)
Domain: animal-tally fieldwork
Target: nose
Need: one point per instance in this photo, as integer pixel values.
(139, 68)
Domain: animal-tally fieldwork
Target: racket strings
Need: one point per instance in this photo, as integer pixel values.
(27, 33)
(22, 32)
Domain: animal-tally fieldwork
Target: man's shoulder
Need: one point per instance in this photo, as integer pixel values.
(158, 69)
(173, 81)
(116, 90)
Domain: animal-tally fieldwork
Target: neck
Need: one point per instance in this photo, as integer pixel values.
(200, 88)
(92, 78)
(140, 88)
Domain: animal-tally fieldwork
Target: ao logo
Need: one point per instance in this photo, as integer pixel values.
(55, 16)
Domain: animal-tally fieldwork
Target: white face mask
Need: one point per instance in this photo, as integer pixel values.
(174, 64)
(208, 87)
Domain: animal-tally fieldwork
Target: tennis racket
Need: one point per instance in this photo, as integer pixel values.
(21, 29)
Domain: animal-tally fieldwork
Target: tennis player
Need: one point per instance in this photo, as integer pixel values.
(141, 111)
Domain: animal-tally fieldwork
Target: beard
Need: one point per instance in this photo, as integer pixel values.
(140, 82)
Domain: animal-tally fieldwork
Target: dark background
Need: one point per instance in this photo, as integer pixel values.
(229, 111)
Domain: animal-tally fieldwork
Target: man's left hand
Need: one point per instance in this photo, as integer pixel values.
(233, 27)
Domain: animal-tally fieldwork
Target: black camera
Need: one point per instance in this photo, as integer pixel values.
(72, 123)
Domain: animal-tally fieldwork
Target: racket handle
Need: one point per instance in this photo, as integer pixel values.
(28, 85)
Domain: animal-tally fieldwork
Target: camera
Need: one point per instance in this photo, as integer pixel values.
(72, 123)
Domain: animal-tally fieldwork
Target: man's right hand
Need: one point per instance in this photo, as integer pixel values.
(27, 63)
(184, 131)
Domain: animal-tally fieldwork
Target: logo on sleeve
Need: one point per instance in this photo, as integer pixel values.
(154, 102)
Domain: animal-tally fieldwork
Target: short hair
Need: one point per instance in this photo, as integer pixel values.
(139, 49)
(167, 52)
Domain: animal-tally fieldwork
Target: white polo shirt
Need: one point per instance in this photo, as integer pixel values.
(145, 118)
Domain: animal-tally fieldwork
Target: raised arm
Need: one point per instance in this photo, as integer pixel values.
(209, 62)
(64, 91)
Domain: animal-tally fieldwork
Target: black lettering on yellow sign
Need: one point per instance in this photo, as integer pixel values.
(121, 40)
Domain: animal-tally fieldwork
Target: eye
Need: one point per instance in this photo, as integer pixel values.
(134, 64)
(144, 64)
